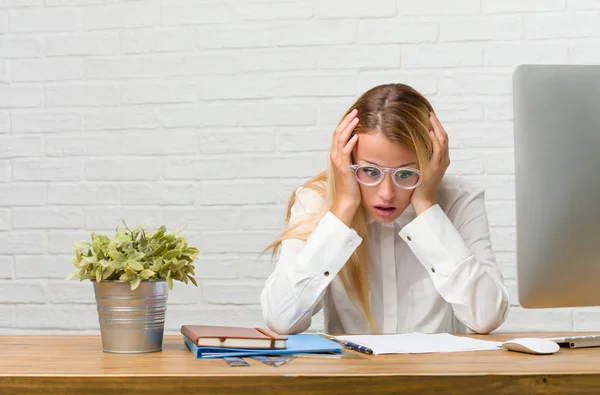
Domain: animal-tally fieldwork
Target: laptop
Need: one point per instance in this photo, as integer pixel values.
(579, 341)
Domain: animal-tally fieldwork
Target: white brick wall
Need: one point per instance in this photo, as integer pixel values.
(210, 113)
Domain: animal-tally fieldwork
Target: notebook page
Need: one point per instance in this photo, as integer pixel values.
(418, 343)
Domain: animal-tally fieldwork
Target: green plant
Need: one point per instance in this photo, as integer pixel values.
(135, 255)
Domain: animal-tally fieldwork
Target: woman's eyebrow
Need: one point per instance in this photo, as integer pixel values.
(373, 163)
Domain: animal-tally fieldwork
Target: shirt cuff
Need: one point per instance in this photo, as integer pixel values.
(435, 241)
(328, 248)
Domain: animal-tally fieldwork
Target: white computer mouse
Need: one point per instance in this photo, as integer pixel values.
(531, 345)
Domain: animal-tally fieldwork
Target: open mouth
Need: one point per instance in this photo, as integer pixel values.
(385, 211)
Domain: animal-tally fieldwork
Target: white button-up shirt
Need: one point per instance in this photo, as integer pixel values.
(435, 272)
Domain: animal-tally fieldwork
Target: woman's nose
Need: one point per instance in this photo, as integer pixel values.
(387, 189)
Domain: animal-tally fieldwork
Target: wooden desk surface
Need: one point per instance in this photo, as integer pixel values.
(77, 365)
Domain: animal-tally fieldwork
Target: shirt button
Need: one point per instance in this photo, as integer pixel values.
(409, 238)
(326, 274)
(350, 243)
(433, 270)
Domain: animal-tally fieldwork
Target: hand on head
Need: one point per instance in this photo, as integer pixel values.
(425, 195)
(347, 196)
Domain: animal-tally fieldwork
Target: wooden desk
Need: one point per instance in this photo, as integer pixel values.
(77, 365)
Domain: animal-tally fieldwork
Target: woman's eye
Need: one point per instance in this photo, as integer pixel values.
(370, 171)
(403, 175)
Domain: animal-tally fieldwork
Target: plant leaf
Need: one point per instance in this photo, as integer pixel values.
(159, 250)
(170, 263)
(169, 238)
(171, 254)
(135, 265)
(159, 233)
(127, 277)
(157, 264)
(117, 256)
(84, 264)
(193, 280)
(89, 259)
(169, 280)
(107, 272)
(136, 256)
(103, 239)
(146, 274)
(73, 274)
(130, 271)
(135, 283)
(122, 238)
(180, 264)
(97, 246)
(81, 245)
(117, 265)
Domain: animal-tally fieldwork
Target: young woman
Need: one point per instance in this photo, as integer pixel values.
(382, 240)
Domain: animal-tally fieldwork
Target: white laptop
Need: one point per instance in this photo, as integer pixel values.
(579, 341)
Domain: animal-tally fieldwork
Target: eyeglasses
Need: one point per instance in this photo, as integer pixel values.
(403, 177)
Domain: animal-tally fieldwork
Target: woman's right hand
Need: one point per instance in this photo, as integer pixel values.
(347, 197)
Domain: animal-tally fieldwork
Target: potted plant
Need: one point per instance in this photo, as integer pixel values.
(132, 274)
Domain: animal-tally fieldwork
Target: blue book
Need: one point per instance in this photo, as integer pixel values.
(307, 343)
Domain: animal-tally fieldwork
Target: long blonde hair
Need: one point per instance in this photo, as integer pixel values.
(402, 115)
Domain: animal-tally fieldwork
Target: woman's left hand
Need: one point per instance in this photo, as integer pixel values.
(425, 195)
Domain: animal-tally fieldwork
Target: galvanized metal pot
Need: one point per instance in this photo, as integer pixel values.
(131, 321)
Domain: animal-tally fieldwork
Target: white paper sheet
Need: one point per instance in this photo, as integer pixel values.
(419, 343)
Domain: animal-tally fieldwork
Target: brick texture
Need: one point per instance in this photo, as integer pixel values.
(210, 113)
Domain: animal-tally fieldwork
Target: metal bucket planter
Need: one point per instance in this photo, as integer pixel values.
(131, 322)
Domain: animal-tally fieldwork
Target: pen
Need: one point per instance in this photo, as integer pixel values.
(350, 345)
(357, 347)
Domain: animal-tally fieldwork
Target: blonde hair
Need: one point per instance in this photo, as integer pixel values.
(402, 115)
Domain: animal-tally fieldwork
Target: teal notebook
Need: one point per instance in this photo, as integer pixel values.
(307, 343)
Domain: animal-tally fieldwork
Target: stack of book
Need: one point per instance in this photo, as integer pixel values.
(206, 341)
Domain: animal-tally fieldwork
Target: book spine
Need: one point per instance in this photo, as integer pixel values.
(185, 331)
